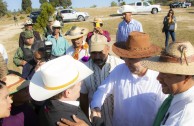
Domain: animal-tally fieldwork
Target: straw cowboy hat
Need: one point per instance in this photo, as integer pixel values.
(76, 32)
(15, 83)
(97, 43)
(98, 20)
(125, 9)
(137, 46)
(28, 22)
(177, 59)
(57, 75)
(56, 24)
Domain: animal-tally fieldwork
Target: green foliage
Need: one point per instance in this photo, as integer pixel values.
(8, 15)
(93, 6)
(42, 1)
(123, 3)
(46, 11)
(26, 4)
(3, 8)
(63, 3)
(22, 17)
(113, 4)
(28, 10)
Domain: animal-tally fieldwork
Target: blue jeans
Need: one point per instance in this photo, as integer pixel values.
(167, 33)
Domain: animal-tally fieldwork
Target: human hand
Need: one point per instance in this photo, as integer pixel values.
(39, 63)
(96, 112)
(99, 30)
(23, 62)
(78, 122)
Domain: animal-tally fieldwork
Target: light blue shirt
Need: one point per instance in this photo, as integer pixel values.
(125, 29)
(59, 46)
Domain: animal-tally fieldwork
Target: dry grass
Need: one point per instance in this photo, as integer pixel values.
(152, 24)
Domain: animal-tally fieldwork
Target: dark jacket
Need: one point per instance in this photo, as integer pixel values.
(54, 110)
(29, 69)
(48, 31)
(22, 38)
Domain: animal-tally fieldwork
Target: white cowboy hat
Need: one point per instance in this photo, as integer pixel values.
(97, 43)
(28, 22)
(57, 75)
(75, 32)
(56, 24)
(125, 9)
(177, 59)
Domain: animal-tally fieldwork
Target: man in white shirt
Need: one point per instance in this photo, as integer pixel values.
(137, 93)
(176, 77)
(102, 64)
(79, 49)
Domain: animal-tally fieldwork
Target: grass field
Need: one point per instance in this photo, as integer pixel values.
(152, 24)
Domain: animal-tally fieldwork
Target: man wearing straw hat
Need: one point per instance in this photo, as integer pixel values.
(59, 81)
(102, 63)
(79, 49)
(137, 93)
(176, 67)
(59, 43)
(98, 23)
(128, 24)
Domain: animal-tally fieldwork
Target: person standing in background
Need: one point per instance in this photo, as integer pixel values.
(169, 22)
(128, 24)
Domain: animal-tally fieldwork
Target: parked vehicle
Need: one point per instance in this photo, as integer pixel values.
(175, 5)
(143, 7)
(70, 14)
(34, 15)
(186, 4)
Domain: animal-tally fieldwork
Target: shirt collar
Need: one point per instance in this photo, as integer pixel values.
(145, 77)
(75, 103)
(183, 95)
(52, 36)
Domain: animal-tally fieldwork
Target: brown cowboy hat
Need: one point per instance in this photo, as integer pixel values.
(138, 45)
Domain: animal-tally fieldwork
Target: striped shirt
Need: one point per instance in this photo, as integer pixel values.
(125, 29)
(91, 84)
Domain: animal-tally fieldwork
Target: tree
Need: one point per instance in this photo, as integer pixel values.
(63, 3)
(42, 1)
(26, 5)
(3, 8)
(113, 4)
(46, 11)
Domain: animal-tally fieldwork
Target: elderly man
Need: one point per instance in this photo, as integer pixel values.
(98, 23)
(176, 77)
(135, 88)
(79, 49)
(137, 93)
(59, 43)
(102, 64)
(28, 27)
(128, 24)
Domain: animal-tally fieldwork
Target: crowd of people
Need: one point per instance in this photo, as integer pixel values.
(84, 85)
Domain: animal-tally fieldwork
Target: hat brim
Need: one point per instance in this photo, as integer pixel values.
(153, 63)
(85, 31)
(119, 48)
(37, 88)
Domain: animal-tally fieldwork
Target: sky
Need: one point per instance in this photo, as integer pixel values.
(16, 4)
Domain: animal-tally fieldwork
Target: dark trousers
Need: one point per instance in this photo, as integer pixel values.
(167, 34)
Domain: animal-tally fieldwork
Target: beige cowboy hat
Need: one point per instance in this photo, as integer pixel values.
(177, 59)
(126, 9)
(97, 43)
(56, 24)
(138, 45)
(75, 32)
(15, 83)
(57, 75)
(97, 20)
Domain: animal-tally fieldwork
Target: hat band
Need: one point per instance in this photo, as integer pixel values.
(18, 82)
(64, 85)
(171, 59)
